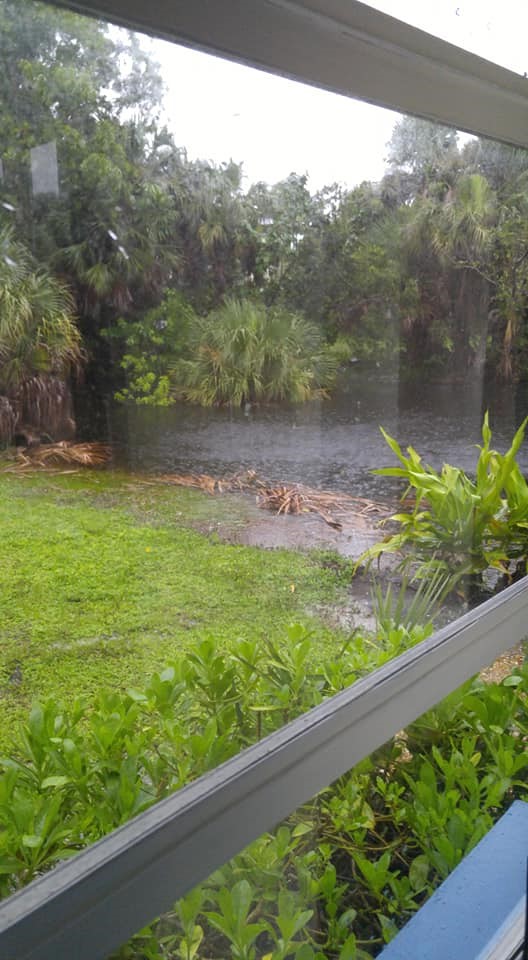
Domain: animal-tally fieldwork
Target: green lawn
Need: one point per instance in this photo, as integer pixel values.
(103, 579)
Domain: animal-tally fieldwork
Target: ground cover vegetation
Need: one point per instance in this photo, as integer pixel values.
(98, 745)
(103, 578)
(186, 284)
(338, 877)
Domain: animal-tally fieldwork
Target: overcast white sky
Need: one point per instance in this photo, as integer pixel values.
(220, 110)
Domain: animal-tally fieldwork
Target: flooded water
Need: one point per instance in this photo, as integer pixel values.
(332, 444)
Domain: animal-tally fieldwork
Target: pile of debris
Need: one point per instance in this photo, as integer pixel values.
(333, 508)
(65, 453)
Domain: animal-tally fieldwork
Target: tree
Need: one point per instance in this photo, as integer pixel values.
(109, 231)
(214, 231)
(281, 217)
(421, 154)
(39, 345)
(510, 271)
(245, 353)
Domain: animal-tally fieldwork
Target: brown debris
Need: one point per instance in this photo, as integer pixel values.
(198, 481)
(64, 453)
(333, 508)
(292, 499)
(504, 665)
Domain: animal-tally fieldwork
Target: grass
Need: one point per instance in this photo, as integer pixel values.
(103, 579)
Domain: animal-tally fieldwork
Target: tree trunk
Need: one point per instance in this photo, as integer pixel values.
(44, 405)
(471, 314)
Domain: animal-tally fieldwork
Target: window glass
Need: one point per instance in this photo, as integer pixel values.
(478, 26)
(243, 326)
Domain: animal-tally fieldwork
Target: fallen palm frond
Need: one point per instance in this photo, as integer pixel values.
(291, 499)
(333, 508)
(247, 480)
(64, 453)
(198, 481)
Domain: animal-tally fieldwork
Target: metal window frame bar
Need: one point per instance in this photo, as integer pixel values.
(344, 46)
(90, 905)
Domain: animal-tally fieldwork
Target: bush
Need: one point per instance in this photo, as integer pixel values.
(151, 346)
(360, 857)
(246, 353)
(465, 525)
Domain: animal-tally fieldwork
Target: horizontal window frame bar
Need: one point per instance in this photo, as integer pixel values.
(343, 46)
(90, 905)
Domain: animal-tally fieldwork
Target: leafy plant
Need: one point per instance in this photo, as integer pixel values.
(333, 882)
(460, 525)
(38, 334)
(414, 605)
(245, 353)
(151, 345)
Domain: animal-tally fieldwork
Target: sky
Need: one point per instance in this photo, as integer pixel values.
(220, 110)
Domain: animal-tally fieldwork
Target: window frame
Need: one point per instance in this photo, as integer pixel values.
(343, 46)
(90, 905)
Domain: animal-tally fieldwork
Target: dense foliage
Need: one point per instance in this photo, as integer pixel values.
(245, 353)
(341, 874)
(427, 269)
(461, 525)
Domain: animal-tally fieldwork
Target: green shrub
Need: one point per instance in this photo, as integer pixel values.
(246, 353)
(370, 347)
(151, 345)
(38, 333)
(459, 524)
(337, 878)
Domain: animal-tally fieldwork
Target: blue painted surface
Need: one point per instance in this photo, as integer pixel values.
(462, 916)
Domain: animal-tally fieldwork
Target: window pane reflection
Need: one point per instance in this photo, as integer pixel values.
(205, 531)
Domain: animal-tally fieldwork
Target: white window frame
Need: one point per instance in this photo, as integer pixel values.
(344, 46)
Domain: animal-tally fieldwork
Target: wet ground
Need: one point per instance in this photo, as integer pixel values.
(312, 533)
(331, 445)
(309, 532)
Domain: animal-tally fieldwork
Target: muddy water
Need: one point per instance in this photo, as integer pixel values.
(333, 444)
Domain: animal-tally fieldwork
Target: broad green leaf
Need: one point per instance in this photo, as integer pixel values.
(57, 781)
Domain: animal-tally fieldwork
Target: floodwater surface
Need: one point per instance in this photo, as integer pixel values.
(330, 444)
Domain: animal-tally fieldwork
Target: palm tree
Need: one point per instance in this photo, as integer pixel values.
(448, 240)
(39, 345)
(464, 236)
(244, 353)
(215, 233)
